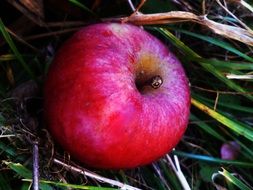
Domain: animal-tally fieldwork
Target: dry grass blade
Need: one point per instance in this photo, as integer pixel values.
(55, 33)
(160, 18)
(235, 126)
(36, 18)
(177, 169)
(35, 6)
(232, 15)
(244, 3)
(95, 176)
(227, 31)
(242, 77)
(21, 40)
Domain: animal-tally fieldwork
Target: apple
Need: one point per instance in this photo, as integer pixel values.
(116, 97)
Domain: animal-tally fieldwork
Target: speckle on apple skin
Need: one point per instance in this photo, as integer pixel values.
(93, 107)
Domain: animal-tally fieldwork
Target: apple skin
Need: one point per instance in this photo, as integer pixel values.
(95, 110)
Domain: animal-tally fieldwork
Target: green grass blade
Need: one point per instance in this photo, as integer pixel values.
(230, 65)
(82, 6)
(246, 150)
(188, 51)
(213, 159)
(152, 180)
(223, 104)
(233, 125)
(8, 149)
(206, 128)
(4, 183)
(225, 114)
(228, 82)
(25, 186)
(234, 180)
(124, 176)
(219, 43)
(2, 119)
(72, 186)
(25, 173)
(170, 176)
(194, 57)
(19, 169)
(15, 50)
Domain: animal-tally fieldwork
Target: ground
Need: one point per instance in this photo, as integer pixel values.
(212, 39)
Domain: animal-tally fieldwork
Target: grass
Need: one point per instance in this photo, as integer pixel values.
(221, 108)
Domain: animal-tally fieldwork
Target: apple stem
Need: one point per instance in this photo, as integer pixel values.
(156, 81)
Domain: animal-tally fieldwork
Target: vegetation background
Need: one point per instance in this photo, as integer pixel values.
(212, 38)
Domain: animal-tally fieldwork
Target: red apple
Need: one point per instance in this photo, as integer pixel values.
(116, 97)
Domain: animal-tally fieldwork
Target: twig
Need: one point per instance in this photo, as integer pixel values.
(95, 176)
(35, 166)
